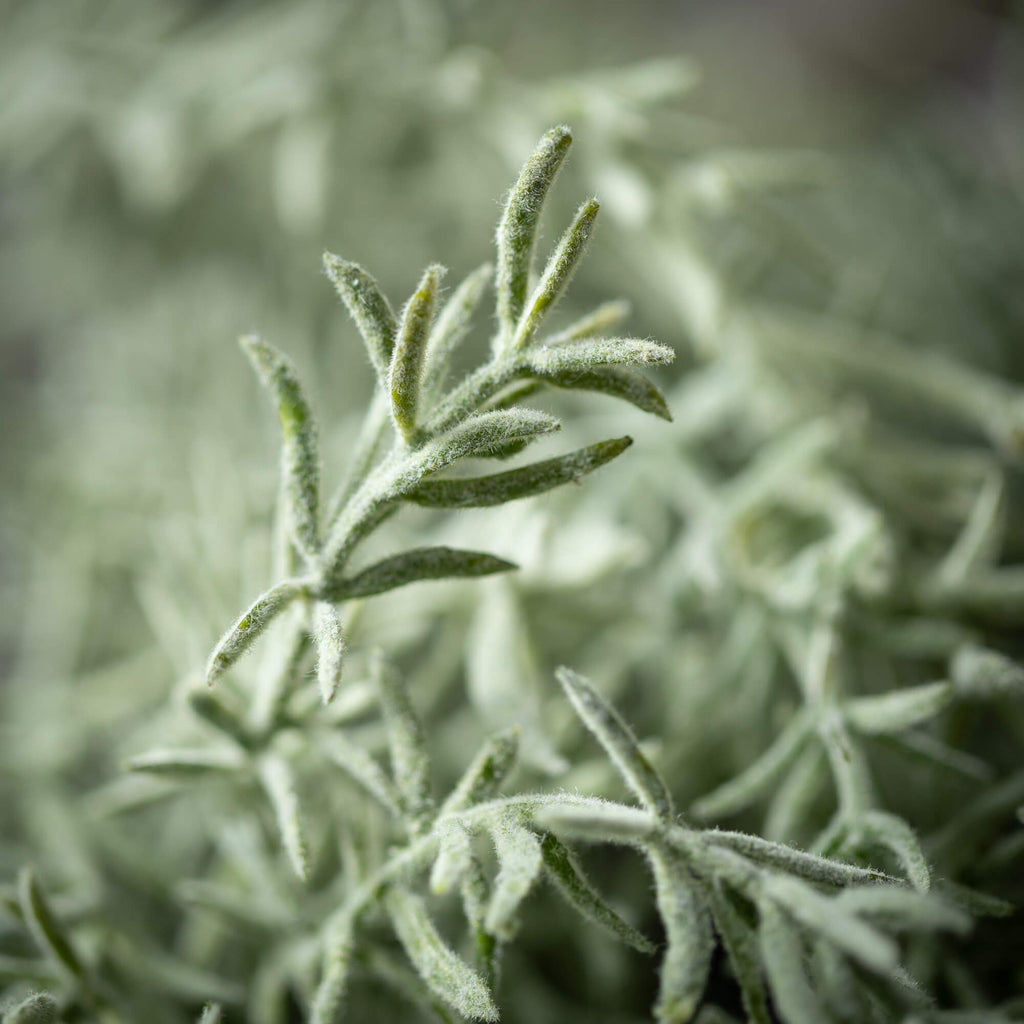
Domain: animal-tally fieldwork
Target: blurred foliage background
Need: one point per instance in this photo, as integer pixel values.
(817, 204)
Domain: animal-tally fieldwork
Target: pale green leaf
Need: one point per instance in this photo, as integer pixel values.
(479, 492)
(597, 821)
(603, 320)
(783, 956)
(879, 828)
(570, 881)
(447, 975)
(187, 761)
(454, 857)
(279, 784)
(410, 762)
(740, 942)
(211, 1014)
(367, 307)
(406, 371)
(557, 274)
(361, 766)
(330, 649)
(899, 710)
(618, 740)
(452, 326)
(241, 636)
(519, 864)
(899, 908)
(982, 673)
(566, 360)
(517, 231)
(330, 993)
(300, 461)
(39, 1008)
(690, 941)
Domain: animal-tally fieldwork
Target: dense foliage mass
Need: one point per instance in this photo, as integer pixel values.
(727, 723)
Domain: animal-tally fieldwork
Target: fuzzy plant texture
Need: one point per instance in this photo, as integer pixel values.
(779, 779)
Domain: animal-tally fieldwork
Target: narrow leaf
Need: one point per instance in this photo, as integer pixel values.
(687, 961)
(597, 821)
(39, 1008)
(740, 942)
(519, 864)
(984, 674)
(759, 777)
(186, 762)
(300, 461)
(566, 360)
(621, 383)
(454, 857)
(330, 649)
(451, 326)
(410, 763)
(406, 373)
(618, 740)
(880, 828)
(577, 890)
(216, 713)
(793, 861)
(904, 909)
(447, 975)
(417, 565)
(49, 932)
(479, 492)
(558, 273)
(486, 773)
(517, 231)
(279, 784)
(211, 1014)
(783, 956)
(241, 636)
(330, 993)
(603, 320)
(899, 710)
(361, 766)
(367, 307)
(822, 916)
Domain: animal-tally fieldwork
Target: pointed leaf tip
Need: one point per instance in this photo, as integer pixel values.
(368, 307)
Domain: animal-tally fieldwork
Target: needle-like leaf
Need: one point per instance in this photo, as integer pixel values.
(367, 307)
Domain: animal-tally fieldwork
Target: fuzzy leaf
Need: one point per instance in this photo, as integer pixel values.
(447, 975)
(577, 890)
(39, 1008)
(185, 762)
(687, 961)
(367, 307)
(519, 864)
(616, 381)
(899, 710)
(454, 857)
(517, 231)
(216, 713)
(606, 318)
(597, 821)
(486, 773)
(740, 942)
(452, 325)
(48, 931)
(792, 861)
(241, 636)
(760, 776)
(566, 360)
(985, 674)
(406, 373)
(822, 916)
(783, 956)
(330, 649)
(410, 763)
(618, 740)
(905, 909)
(480, 492)
(330, 992)
(362, 767)
(279, 784)
(415, 566)
(558, 273)
(211, 1014)
(300, 461)
(880, 828)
